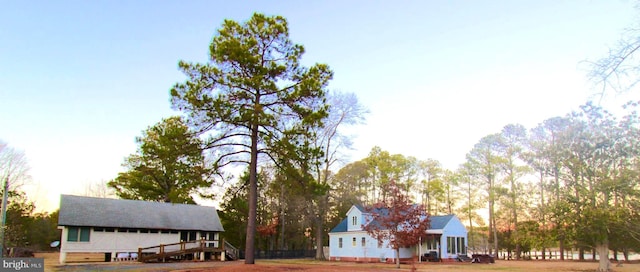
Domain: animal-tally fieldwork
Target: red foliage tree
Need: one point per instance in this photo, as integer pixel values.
(268, 229)
(397, 220)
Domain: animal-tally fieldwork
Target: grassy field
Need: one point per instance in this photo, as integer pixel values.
(535, 266)
(51, 264)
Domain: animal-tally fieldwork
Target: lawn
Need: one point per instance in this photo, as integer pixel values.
(314, 266)
(51, 264)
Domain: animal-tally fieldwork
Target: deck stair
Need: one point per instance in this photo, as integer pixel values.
(231, 253)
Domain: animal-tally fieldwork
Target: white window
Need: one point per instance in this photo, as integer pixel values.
(462, 249)
(354, 220)
(339, 242)
(353, 241)
(451, 245)
(455, 245)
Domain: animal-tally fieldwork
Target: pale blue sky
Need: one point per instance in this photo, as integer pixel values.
(79, 80)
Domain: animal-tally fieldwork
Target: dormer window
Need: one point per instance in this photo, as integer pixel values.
(354, 220)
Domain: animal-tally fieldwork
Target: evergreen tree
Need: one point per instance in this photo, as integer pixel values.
(168, 167)
(253, 97)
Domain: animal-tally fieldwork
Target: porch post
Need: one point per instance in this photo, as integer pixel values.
(420, 250)
(63, 257)
(440, 248)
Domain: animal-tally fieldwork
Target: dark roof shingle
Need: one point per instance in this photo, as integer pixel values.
(122, 213)
(341, 227)
(439, 221)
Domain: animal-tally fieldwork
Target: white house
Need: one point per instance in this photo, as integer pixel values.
(118, 227)
(349, 242)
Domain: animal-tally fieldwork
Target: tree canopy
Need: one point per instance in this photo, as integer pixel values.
(169, 166)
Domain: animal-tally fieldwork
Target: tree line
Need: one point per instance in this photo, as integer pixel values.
(569, 183)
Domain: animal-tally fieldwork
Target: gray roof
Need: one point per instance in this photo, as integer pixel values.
(440, 221)
(122, 213)
(341, 227)
(436, 222)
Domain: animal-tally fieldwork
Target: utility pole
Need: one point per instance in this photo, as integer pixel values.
(4, 214)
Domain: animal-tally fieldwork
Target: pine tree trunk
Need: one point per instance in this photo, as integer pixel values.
(398, 257)
(319, 228)
(492, 228)
(428, 197)
(495, 236)
(471, 241)
(282, 245)
(544, 221)
(253, 198)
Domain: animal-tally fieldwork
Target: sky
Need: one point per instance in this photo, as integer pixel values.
(79, 80)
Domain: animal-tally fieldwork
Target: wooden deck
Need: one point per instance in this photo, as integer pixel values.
(191, 250)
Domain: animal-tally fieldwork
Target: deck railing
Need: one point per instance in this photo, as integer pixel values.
(167, 250)
(164, 251)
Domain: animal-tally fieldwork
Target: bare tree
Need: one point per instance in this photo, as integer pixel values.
(14, 167)
(98, 189)
(619, 70)
(14, 173)
(344, 110)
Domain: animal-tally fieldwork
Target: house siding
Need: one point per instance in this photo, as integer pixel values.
(92, 213)
(120, 242)
(359, 219)
(117, 241)
(369, 253)
(455, 229)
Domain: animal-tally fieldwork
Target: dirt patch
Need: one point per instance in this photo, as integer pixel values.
(326, 267)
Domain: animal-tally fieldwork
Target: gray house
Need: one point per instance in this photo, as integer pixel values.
(118, 227)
